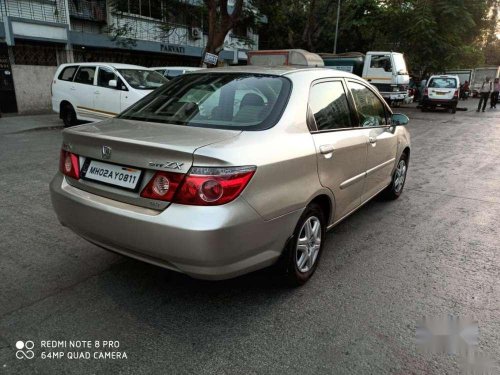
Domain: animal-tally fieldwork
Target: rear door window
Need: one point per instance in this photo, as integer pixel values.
(329, 106)
(68, 73)
(86, 75)
(370, 109)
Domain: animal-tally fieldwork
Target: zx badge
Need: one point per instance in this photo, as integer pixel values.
(168, 165)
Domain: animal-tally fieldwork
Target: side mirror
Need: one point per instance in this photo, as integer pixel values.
(402, 72)
(398, 119)
(113, 83)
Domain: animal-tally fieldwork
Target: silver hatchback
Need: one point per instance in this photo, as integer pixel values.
(225, 171)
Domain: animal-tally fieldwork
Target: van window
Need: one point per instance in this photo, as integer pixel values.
(370, 109)
(68, 73)
(104, 76)
(328, 103)
(381, 62)
(171, 73)
(85, 75)
(210, 100)
(142, 79)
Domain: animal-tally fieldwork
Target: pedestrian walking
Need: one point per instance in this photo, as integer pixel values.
(485, 92)
(464, 91)
(495, 93)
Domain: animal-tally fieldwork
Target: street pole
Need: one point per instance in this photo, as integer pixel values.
(337, 29)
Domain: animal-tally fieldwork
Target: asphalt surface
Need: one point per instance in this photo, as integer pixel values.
(433, 252)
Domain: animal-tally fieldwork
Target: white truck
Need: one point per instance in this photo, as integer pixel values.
(480, 75)
(385, 70)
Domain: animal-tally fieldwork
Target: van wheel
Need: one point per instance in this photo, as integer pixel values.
(453, 110)
(68, 116)
(395, 189)
(303, 251)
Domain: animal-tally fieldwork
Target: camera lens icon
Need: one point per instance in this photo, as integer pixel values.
(27, 353)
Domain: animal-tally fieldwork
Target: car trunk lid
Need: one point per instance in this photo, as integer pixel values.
(141, 148)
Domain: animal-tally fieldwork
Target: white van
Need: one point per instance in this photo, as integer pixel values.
(441, 91)
(96, 91)
(174, 71)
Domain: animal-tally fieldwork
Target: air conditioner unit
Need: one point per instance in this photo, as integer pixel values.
(195, 33)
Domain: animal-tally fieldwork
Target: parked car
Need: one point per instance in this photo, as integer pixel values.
(194, 180)
(97, 91)
(441, 91)
(170, 72)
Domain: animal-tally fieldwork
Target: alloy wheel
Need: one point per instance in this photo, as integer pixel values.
(400, 176)
(308, 244)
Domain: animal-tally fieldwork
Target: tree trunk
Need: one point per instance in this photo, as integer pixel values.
(219, 24)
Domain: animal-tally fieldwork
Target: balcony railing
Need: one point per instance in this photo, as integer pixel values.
(90, 10)
(37, 10)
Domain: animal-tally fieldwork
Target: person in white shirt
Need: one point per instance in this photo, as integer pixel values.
(485, 92)
(495, 93)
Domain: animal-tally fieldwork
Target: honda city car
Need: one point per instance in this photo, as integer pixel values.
(225, 171)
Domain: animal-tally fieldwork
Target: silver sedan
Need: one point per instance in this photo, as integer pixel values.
(225, 171)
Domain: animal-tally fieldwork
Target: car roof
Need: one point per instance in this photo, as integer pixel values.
(178, 67)
(444, 76)
(113, 65)
(383, 53)
(281, 70)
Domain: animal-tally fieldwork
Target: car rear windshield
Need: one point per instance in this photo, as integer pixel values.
(443, 83)
(143, 79)
(238, 101)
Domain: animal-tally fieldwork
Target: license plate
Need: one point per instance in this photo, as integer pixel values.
(112, 174)
(441, 93)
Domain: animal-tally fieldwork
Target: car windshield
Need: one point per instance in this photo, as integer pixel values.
(443, 83)
(142, 79)
(229, 101)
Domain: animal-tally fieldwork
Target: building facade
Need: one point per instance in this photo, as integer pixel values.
(38, 35)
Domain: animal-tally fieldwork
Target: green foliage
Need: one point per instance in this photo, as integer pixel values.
(434, 34)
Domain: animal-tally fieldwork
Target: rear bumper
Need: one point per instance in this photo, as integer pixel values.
(217, 242)
(395, 96)
(426, 101)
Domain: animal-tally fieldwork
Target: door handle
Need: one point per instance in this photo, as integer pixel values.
(73, 89)
(97, 92)
(326, 150)
(372, 140)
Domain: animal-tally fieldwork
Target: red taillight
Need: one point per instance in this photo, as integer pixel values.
(201, 186)
(69, 164)
(162, 186)
(426, 92)
(213, 186)
(456, 94)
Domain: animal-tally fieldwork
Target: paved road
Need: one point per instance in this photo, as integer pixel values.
(433, 252)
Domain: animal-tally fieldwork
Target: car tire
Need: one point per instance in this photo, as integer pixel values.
(303, 251)
(68, 116)
(395, 189)
(453, 109)
(423, 109)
